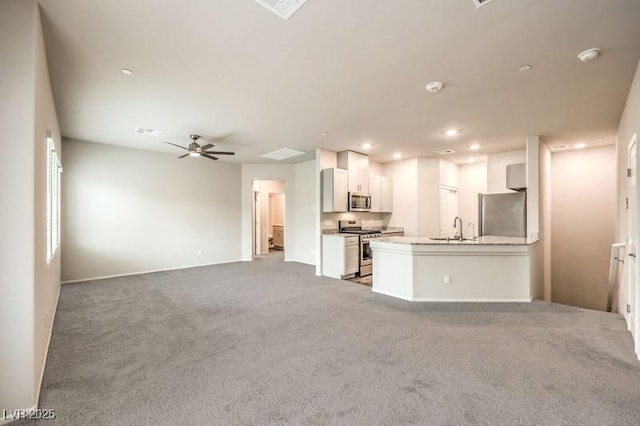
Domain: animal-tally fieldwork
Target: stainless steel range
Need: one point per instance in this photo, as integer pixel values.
(366, 255)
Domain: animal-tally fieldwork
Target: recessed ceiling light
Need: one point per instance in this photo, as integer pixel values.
(434, 86)
(366, 145)
(452, 132)
(589, 54)
(446, 152)
(559, 147)
(397, 156)
(475, 146)
(600, 139)
(580, 145)
(126, 71)
(524, 68)
(325, 133)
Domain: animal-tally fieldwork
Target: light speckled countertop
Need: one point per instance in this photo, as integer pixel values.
(480, 241)
(384, 230)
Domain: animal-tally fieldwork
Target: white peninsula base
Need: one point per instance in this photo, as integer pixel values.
(490, 269)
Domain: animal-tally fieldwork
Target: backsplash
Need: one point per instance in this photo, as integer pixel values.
(329, 221)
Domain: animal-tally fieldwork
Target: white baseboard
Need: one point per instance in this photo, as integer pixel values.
(300, 261)
(103, 277)
(390, 294)
(471, 300)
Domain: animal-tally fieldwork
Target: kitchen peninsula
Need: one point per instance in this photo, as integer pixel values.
(487, 269)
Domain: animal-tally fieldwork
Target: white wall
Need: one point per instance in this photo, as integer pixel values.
(128, 211)
(629, 124)
(29, 285)
(533, 186)
(428, 197)
(583, 225)
(497, 169)
(47, 274)
(375, 168)
(405, 194)
(305, 207)
(472, 180)
(545, 218)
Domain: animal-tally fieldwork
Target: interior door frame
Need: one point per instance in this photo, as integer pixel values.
(633, 190)
(255, 225)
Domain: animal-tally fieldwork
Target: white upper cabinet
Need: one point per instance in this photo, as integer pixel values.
(376, 195)
(386, 189)
(357, 166)
(381, 189)
(334, 190)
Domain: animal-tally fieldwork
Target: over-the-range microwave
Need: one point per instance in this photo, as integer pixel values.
(359, 202)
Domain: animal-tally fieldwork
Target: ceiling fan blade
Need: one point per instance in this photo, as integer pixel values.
(210, 157)
(169, 143)
(220, 152)
(207, 146)
(185, 155)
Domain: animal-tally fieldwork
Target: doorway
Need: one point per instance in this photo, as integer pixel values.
(632, 240)
(268, 233)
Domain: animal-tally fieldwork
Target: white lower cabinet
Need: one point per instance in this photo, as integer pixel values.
(278, 236)
(340, 255)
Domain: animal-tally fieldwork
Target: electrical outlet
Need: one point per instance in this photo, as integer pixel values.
(447, 279)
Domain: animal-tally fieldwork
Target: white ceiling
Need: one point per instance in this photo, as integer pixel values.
(355, 69)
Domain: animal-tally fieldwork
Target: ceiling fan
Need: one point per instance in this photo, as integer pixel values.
(195, 150)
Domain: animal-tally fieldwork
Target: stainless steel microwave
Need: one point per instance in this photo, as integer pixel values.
(359, 202)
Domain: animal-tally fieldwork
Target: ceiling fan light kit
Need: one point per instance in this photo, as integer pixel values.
(195, 150)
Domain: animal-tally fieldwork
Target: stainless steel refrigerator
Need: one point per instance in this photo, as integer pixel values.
(503, 214)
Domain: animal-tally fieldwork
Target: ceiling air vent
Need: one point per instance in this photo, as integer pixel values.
(446, 151)
(283, 8)
(480, 3)
(148, 132)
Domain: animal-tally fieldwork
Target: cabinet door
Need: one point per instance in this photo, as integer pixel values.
(357, 166)
(353, 167)
(363, 166)
(334, 190)
(340, 197)
(386, 195)
(278, 236)
(351, 261)
(376, 194)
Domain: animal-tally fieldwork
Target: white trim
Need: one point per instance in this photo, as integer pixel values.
(300, 261)
(104, 277)
(516, 300)
(390, 294)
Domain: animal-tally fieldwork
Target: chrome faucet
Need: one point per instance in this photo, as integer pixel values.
(455, 222)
